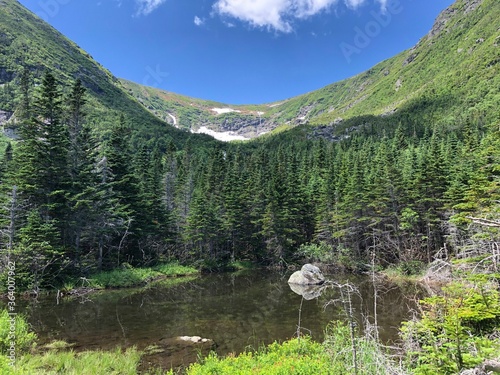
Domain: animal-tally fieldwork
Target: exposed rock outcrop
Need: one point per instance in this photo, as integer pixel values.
(4, 117)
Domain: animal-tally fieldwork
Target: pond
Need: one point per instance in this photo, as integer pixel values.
(236, 311)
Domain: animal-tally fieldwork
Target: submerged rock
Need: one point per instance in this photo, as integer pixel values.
(194, 339)
(175, 352)
(309, 292)
(308, 275)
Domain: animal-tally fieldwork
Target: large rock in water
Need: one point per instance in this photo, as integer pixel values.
(309, 292)
(308, 275)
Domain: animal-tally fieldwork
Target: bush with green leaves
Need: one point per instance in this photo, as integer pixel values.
(297, 356)
(321, 252)
(305, 357)
(24, 339)
(355, 354)
(456, 329)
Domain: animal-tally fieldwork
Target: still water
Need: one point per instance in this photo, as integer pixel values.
(236, 311)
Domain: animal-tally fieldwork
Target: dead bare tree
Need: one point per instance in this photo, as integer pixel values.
(346, 292)
(11, 209)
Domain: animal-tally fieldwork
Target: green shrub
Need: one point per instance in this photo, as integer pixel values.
(124, 277)
(175, 269)
(370, 359)
(411, 267)
(305, 357)
(316, 252)
(454, 329)
(24, 339)
(296, 356)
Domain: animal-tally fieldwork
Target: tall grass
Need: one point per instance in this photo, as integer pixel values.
(371, 358)
(115, 362)
(128, 276)
(58, 359)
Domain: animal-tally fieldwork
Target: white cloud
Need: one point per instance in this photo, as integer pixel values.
(259, 13)
(198, 21)
(147, 6)
(278, 14)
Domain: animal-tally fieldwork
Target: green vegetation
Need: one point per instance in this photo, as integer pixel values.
(406, 271)
(127, 276)
(417, 82)
(13, 330)
(24, 339)
(98, 189)
(69, 362)
(304, 356)
(292, 357)
(457, 330)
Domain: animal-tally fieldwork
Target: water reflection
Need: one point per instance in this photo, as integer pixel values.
(236, 311)
(309, 292)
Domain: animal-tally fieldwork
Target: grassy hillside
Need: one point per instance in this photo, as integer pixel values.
(451, 74)
(28, 41)
(191, 113)
(456, 64)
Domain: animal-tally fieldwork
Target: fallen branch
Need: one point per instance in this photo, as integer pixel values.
(485, 222)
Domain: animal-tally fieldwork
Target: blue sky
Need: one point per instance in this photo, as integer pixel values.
(240, 51)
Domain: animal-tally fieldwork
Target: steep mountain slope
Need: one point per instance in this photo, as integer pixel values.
(28, 41)
(452, 72)
(455, 64)
(192, 114)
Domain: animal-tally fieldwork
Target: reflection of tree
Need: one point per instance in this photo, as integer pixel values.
(234, 311)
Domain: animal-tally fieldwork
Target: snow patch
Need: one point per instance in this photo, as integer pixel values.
(221, 136)
(220, 111)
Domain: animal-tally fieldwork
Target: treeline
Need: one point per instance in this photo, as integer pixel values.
(75, 201)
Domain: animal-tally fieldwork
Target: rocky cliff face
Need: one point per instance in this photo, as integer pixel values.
(7, 117)
(442, 20)
(248, 126)
(4, 117)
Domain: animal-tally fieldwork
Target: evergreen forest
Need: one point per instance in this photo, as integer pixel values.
(92, 177)
(396, 191)
(393, 173)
